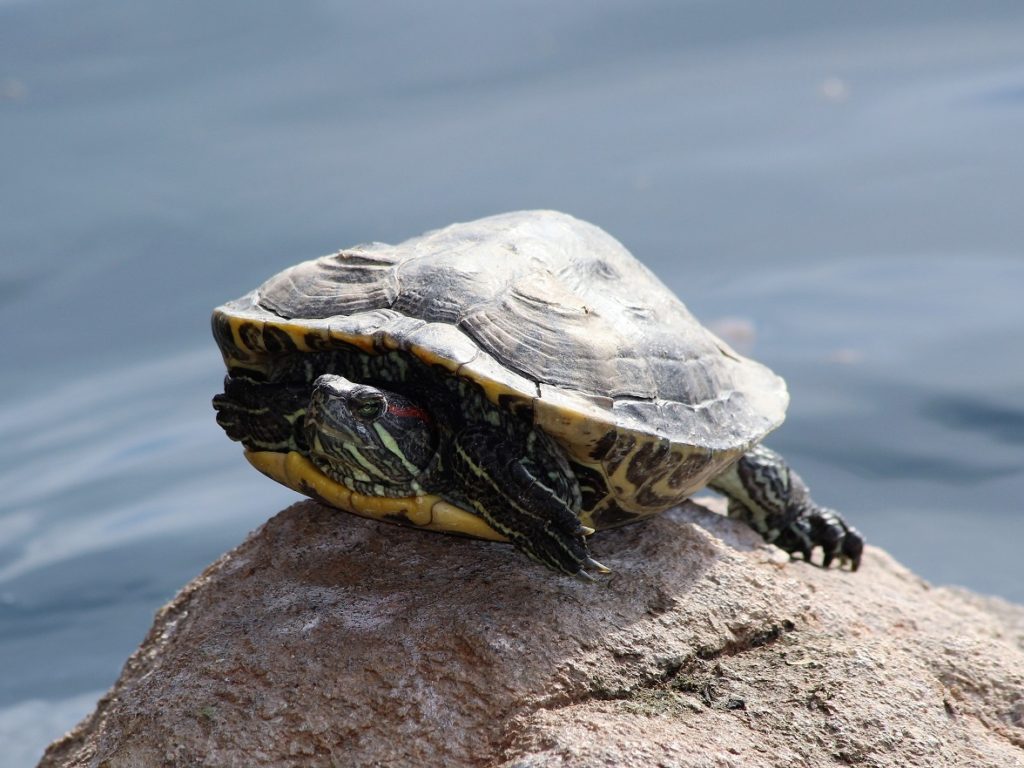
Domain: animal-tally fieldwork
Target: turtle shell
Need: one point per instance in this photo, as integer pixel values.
(543, 312)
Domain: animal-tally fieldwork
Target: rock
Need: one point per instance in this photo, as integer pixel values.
(329, 640)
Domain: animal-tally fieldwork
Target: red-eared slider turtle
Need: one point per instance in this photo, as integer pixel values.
(521, 378)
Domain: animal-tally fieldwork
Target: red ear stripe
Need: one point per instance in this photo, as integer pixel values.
(407, 411)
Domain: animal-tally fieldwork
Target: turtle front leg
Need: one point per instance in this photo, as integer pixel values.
(771, 498)
(538, 510)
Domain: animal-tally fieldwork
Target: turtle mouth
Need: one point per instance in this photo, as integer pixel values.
(325, 427)
(332, 452)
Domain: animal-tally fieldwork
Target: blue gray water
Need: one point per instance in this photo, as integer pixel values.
(836, 187)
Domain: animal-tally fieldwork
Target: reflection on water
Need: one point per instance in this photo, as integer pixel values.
(106, 461)
(836, 188)
(1003, 422)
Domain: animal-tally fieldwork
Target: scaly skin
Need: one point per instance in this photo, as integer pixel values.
(771, 498)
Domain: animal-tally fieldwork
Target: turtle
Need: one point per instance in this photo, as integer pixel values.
(518, 378)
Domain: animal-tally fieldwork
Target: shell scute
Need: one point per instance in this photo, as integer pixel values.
(347, 282)
(497, 380)
(362, 329)
(581, 423)
(442, 345)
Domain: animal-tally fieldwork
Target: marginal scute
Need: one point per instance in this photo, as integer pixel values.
(247, 333)
(442, 345)
(394, 335)
(361, 329)
(496, 380)
(579, 422)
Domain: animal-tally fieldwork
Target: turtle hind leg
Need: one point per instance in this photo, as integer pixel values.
(539, 517)
(772, 499)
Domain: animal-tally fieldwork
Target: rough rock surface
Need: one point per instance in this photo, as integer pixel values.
(328, 640)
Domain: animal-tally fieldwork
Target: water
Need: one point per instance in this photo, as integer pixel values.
(836, 187)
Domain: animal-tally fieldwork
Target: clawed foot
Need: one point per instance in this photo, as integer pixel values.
(825, 528)
(564, 550)
(538, 511)
(771, 498)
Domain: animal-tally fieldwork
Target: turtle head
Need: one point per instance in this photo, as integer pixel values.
(373, 441)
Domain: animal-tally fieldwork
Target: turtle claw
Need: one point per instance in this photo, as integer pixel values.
(853, 548)
(568, 554)
(560, 547)
(586, 530)
(592, 563)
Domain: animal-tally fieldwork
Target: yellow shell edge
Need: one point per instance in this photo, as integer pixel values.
(430, 512)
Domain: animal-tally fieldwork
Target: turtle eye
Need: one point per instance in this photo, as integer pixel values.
(369, 405)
